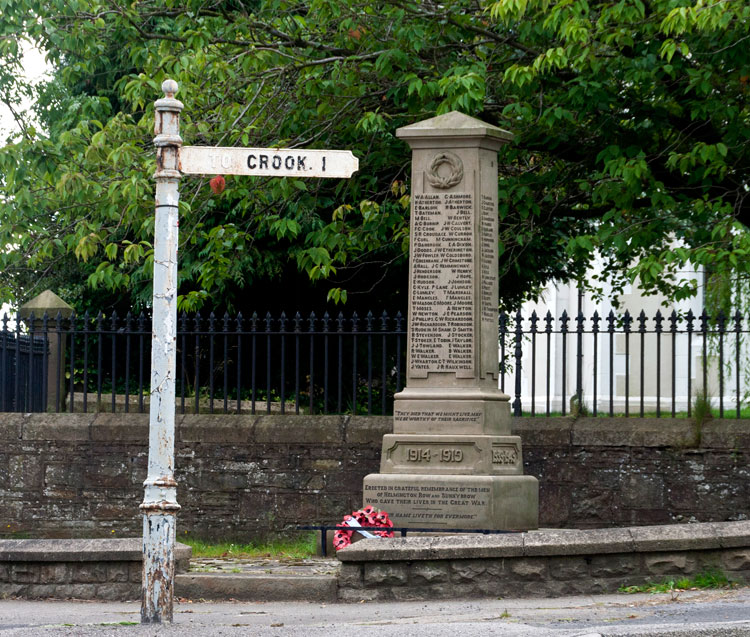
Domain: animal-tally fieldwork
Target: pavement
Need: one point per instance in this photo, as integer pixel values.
(286, 598)
(724, 613)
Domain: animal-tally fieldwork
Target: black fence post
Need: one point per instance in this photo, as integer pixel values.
(548, 331)
(73, 319)
(579, 358)
(721, 323)
(595, 331)
(326, 320)
(211, 369)
(502, 331)
(564, 318)
(99, 357)
(400, 335)
(518, 356)
(4, 371)
(690, 318)
(45, 362)
(128, 333)
(225, 366)
(673, 320)
(642, 332)
(534, 321)
(658, 320)
(141, 327)
(311, 386)
(239, 329)
(611, 331)
(627, 321)
(368, 329)
(355, 330)
(737, 345)
(114, 358)
(384, 376)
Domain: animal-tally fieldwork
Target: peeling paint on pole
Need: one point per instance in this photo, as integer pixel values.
(160, 489)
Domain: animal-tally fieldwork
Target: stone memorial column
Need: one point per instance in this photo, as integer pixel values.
(451, 461)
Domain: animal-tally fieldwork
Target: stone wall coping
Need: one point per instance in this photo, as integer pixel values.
(75, 550)
(302, 428)
(538, 431)
(546, 542)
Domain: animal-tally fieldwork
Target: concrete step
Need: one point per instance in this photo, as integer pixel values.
(255, 587)
(260, 580)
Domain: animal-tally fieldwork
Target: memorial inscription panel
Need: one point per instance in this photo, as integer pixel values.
(434, 454)
(488, 259)
(442, 297)
(436, 505)
(449, 457)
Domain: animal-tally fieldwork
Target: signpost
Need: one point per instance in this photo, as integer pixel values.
(267, 162)
(172, 161)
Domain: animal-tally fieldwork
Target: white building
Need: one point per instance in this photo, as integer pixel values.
(648, 371)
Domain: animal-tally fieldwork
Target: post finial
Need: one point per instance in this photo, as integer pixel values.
(170, 87)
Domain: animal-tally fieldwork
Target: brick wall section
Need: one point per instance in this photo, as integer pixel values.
(81, 475)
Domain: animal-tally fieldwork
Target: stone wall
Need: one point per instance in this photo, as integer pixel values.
(81, 569)
(81, 475)
(540, 563)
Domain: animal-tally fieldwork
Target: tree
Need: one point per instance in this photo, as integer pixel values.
(630, 122)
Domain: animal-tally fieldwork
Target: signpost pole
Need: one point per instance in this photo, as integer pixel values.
(160, 489)
(172, 160)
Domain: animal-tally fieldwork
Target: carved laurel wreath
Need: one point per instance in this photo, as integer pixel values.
(455, 176)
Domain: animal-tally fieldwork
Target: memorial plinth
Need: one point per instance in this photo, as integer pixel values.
(451, 461)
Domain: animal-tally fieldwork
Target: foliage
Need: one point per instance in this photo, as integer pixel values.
(708, 579)
(630, 122)
(637, 114)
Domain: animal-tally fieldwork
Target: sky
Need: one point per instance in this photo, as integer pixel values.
(35, 67)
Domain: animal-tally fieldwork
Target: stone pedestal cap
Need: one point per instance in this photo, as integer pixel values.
(455, 125)
(48, 302)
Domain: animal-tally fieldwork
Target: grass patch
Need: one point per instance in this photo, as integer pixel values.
(280, 549)
(115, 624)
(711, 579)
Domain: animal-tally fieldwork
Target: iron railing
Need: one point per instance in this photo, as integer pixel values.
(604, 365)
(625, 364)
(229, 364)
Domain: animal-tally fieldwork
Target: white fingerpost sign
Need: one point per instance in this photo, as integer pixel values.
(172, 161)
(267, 162)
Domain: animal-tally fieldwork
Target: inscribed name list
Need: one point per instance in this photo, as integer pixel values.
(442, 292)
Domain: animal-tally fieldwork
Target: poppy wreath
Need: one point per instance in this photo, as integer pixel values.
(366, 516)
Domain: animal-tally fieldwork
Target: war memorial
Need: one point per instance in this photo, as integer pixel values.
(451, 461)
